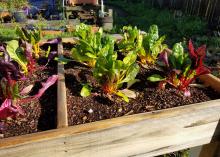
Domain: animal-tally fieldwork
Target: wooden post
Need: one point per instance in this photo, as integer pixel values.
(62, 116)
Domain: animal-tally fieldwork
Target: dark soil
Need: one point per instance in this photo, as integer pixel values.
(40, 115)
(99, 107)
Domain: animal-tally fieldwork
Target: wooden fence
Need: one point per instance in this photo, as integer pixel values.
(208, 9)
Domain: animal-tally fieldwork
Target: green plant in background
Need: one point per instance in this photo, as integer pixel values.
(13, 5)
(3, 6)
(175, 28)
(90, 45)
(7, 34)
(32, 37)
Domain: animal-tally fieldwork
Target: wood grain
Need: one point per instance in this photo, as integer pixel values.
(146, 134)
(62, 116)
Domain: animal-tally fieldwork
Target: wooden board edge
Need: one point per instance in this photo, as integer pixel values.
(104, 124)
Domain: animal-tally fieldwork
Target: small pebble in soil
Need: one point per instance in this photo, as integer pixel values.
(120, 110)
(84, 118)
(90, 111)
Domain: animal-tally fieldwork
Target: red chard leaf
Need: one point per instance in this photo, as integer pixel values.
(50, 81)
(9, 71)
(202, 70)
(164, 58)
(9, 110)
(191, 49)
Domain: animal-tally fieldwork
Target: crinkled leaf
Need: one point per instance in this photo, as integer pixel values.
(153, 31)
(130, 58)
(131, 73)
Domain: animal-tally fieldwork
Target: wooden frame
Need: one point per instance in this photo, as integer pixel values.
(146, 134)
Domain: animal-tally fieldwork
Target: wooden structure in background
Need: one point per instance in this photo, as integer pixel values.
(75, 2)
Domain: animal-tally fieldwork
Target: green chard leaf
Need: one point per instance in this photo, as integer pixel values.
(12, 49)
(156, 78)
(86, 90)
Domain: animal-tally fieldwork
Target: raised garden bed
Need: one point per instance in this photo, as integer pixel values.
(146, 134)
(156, 132)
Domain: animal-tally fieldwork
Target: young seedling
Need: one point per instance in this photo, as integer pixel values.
(182, 68)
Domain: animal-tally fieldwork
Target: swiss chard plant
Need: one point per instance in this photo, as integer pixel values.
(147, 45)
(153, 46)
(182, 68)
(15, 61)
(22, 54)
(12, 97)
(32, 37)
(112, 73)
(132, 40)
(90, 45)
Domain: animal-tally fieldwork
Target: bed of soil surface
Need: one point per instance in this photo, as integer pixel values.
(99, 107)
(39, 115)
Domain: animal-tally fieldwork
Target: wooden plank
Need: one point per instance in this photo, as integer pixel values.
(147, 134)
(62, 116)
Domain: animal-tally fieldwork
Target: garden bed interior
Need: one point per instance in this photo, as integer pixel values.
(39, 115)
(145, 134)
